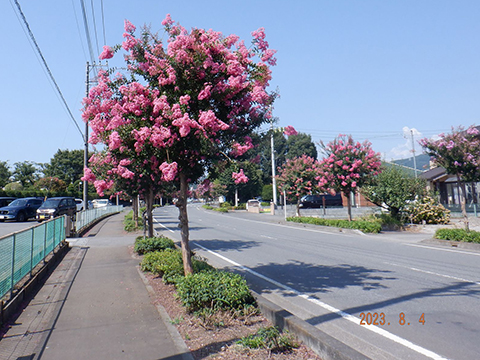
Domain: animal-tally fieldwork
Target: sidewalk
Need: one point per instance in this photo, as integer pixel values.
(95, 306)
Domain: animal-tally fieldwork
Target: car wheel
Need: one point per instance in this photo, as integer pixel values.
(21, 217)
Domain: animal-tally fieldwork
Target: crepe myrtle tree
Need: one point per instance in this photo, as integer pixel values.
(185, 104)
(459, 154)
(298, 177)
(347, 165)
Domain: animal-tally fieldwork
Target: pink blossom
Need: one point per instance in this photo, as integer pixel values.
(240, 177)
(107, 53)
(169, 171)
(129, 27)
(114, 141)
(239, 150)
(167, 21)
(205, 93)
(88, 175)
(184, 99)
(290, 130)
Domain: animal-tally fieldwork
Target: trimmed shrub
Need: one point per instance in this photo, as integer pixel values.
(428, 210)
(168, 264)
(365, 226)
(458, 235)
(145, 245)
(215, 290)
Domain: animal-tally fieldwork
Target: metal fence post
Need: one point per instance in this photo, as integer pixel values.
(31, 253)
(45, 242)
(13, 266)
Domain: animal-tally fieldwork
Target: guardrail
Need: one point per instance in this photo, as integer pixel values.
(22, 251)
(86, 217)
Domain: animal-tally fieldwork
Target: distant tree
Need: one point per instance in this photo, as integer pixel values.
(394, 188)
(26, 173)
(5, 173)
(300, 144)
(267, 192)
(348, 165)
(66, 165)
(13, 187)
(246, 189)
(299, 177)
(459, 154)
(51, 184)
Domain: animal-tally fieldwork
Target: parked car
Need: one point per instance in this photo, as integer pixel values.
(20, 209)
(79, 203)
(97, 203)
(4, 201)
(318, 201)
(56, 206)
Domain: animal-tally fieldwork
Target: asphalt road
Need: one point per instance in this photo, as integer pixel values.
(9, 227)
(424, 298)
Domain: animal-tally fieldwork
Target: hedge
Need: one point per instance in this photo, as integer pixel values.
(458, 235)
(365, 226)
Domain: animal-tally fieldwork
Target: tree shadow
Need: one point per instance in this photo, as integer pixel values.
(226, 245)
(311, 278)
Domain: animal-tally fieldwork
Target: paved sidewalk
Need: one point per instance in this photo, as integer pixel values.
(95, 306)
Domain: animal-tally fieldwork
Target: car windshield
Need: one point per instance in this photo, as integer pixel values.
(51, 203)
(18, 202)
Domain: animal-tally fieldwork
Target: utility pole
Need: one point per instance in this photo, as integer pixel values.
(274, 181)
(413, 151)
(85, 153)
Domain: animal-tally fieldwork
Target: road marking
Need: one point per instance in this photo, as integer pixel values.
(434, 273)
(159, 223)
(332, 309)
(268, 237)
(440, 249)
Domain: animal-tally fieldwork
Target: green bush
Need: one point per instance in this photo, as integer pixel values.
(145, 245)
(427, 210)
(225, 204)
(458, 235)
(365, 226)
(214, 289)
(241, 206)
(169, 264)
(221, 209)
(129, 224)
(269, 338)
(208, 207)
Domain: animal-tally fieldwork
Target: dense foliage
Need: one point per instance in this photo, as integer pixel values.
(365, 226)
(458, 235)
(149, 244)
(427, 210)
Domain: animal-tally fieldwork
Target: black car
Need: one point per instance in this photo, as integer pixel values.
(20, 209)
(56, 206)
(320, 200)
(5, 200)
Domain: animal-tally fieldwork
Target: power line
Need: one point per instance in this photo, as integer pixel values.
(95, 27)
(87, 31)
(32, 37)
(103, 25)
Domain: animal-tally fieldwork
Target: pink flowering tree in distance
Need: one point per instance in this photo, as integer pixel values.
(184, 105)
(298, 177)
(348, 165)
(459, 154)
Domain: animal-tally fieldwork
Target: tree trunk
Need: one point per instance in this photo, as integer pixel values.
(183, 217)
(349, 206)
(463, 200)
(298, 208)
(135, 210)
(149, 210)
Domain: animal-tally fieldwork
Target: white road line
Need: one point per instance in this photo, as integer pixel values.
(159, 223)
(332, 309)
(434, 273)
(440, 249)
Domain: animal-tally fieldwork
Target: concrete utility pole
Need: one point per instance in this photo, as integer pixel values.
(85, 153)
(413, 151)
(274, 181)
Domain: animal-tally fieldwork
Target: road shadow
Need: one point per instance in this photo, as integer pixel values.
(226, 245)
(311, 278)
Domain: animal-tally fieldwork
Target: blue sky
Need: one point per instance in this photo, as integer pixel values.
(372, 69)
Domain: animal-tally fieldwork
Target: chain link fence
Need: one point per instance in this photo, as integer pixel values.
(22, 251)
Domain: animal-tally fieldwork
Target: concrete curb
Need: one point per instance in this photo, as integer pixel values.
(452, 244)
(327, 347)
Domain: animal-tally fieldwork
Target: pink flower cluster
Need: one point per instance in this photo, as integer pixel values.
(169, 171)
(290, 130)
(240, 177)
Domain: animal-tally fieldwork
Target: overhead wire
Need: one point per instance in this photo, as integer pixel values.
(87, 31)
(47, 68)
(103, 25)
(95, 26)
